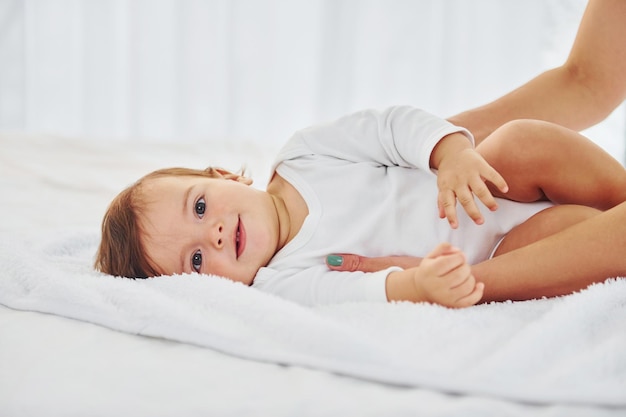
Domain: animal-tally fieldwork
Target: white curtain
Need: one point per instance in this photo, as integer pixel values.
(242, 70)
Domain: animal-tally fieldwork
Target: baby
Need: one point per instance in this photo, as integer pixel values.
(375, 183)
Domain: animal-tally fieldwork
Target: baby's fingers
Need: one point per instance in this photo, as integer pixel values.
(481, 191)
(466, 198)
(472, 298)
(446, 267)
(444, 248)
(496, 179)
(447, 207)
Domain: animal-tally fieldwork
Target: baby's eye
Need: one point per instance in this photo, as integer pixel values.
(200, 207)
(196, 261)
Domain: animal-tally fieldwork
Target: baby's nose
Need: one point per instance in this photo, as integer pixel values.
(218, 235)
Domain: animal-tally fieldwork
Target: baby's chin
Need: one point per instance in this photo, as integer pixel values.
(246, 280)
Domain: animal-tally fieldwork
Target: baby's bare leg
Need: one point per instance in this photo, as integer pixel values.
(566, 261)
(544, 224)
(541, 160)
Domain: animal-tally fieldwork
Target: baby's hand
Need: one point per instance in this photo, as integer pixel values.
(462, 174)
(445, 278)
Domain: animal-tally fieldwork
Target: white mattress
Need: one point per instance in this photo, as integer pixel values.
(52, 365)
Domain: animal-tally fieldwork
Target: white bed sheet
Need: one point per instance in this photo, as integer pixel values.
(51, 365)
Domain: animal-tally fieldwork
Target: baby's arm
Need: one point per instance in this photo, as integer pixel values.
(462, 173)
(443, 277)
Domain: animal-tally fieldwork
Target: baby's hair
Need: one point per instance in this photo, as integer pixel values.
(121, 251)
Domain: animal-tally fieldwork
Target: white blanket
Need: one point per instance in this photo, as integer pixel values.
(569, 350)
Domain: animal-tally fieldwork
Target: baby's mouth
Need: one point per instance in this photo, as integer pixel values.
(240, 238)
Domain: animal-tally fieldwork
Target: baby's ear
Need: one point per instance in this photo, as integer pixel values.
(227, 175)
(243, 180)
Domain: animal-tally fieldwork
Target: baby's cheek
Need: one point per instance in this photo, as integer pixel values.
(227, 271)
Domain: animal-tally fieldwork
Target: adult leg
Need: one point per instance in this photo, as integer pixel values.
(541, 160)
(567, 261)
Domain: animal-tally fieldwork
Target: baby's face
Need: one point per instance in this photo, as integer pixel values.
(210, 226)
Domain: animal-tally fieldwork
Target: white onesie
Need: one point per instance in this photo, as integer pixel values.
(369, 189)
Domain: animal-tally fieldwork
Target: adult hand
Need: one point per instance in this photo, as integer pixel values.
(352, 262)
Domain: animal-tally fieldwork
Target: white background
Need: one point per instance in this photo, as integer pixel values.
(257, 70)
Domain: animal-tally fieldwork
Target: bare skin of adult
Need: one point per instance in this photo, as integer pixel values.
(562, 241)
(578, 94)
(577, 256)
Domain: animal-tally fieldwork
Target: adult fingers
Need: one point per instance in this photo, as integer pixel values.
(352, 262)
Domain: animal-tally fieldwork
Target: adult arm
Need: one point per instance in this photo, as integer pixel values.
(578, 94)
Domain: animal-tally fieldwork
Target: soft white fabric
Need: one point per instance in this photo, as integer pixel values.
(369, 189)
(568, 350)
(54, 366)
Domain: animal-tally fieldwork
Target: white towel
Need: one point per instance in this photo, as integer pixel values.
(569, 350)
